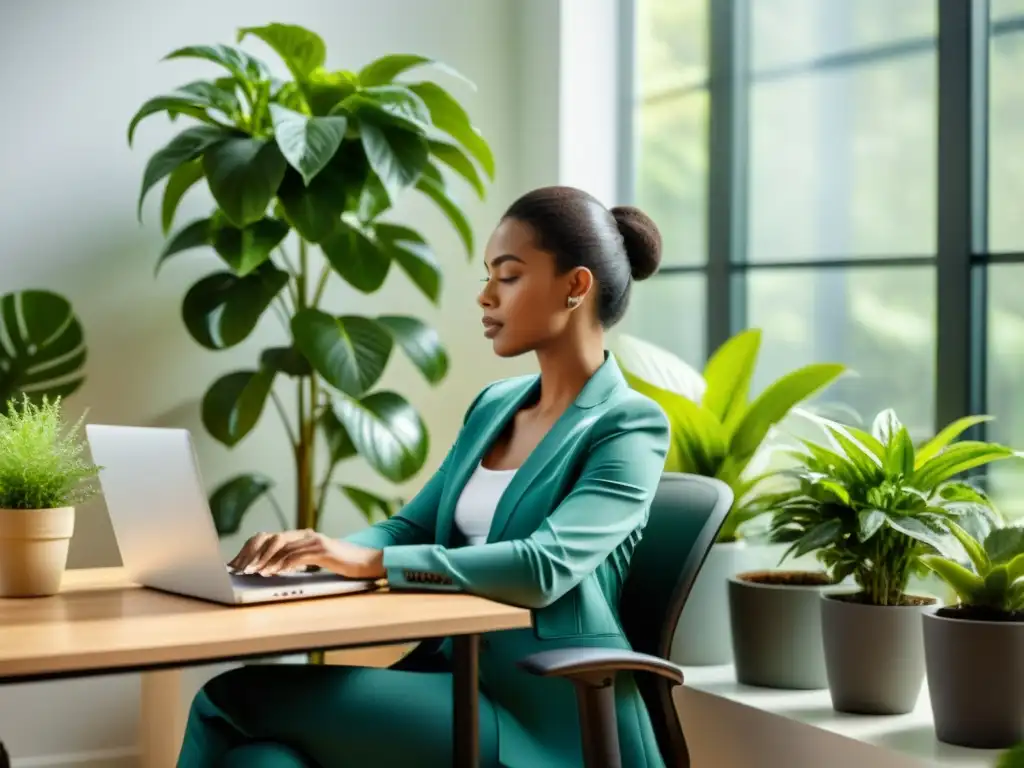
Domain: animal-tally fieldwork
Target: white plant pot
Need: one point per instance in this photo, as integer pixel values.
(34, 550)
(703, 636)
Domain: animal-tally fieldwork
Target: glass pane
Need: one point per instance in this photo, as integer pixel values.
(1001, 10)
(668, 310)
(671, 44)
(671, 179)
(843, 162)
(1006, 142)
(786, 32)
(880, 322)
(1005, 373)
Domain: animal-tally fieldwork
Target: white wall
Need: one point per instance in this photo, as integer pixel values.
(74, 74)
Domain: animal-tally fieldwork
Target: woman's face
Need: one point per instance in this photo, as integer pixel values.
(524, 298)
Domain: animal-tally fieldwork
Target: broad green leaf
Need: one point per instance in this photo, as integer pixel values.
(307, 143)
(658, 367)
(899, 455)
(772, 405)
(315, 210)
(456, 216)
(356, 258)
(866, 462)
(233, 404)
(339, 444)
(420, 343)
(245, 68)
(388, 433)
(963, 582)
(916, 529)
(286, 360)
(43, 349)
(962, 492)
(234, 498)
(950, 433)
(350, 352)
(448, 115)
(301, 50)
(868, 440)
(385, 69)
(833, 463)
(186, 146)
(869, 521)
(193, 235)
(456, 159)
(409, 250)
(245, 249)
(222, 309)
(838, 490)
(181, 180)
(398, 100)
(373, 199)
(1015, 568)
(397, 156)
(957, 458)
(1003, 544)
(997, 580)
(244, 175)
(369, 504)
(885, 426)
(821, 535)
(179, 103)
(728, 373)
(974, 549)
(325, 90)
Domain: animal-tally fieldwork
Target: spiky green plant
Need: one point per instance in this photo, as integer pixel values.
(41, 458)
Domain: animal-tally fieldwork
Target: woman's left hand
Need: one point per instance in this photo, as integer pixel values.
(335, 555)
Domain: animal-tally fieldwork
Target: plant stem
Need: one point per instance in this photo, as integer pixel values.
(305, 445)
(292, 438)
(321, 284)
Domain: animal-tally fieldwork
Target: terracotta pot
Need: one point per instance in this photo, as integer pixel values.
(34, 550)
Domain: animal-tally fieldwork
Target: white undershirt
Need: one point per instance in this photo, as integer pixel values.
(475, 508)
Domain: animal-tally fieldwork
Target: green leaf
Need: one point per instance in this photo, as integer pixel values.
(388, 433)
(957, 458)
(963, 492)
(966, 584)
(325, 90)
(1015, 568)
(398, 100)
(234, 498)
(339, 444)
(439, 195)
(286, 360)
(246, 249)
(868, 465)
(385, 69)
(373, 198)
(397, 156)
(183, 103)
(868, 440)
(899, 455)
(186, 146)
(772, 405)
(885, 426)
(456, 159)
(369, 504)
(350, 352)
(1004, 544)
(728, 373)
(301, 50)
(314, 211)
(356, 258)
(222, 309)
(181, 180)
(245, 68)
(43, 349)
(975, 551)
(448, 115)
(950, 433)
(409, 250)
(420, 343)
(244, 175)
(307, 143)
(916, 529)
(821, 535)
(869, 521)
(233, 404)
(193, 235)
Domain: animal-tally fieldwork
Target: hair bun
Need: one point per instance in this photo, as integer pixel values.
(642, 239)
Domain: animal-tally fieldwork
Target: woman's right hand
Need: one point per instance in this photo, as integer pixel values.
(259, 549)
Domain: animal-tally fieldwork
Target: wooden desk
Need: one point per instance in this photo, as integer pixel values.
(101, 623)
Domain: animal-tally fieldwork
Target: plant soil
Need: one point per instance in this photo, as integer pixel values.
(979, 613)
(787, 578)
(905, 601)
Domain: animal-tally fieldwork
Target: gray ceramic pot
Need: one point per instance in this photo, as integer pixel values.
(874, 655)
(976, 680)
(776, 629)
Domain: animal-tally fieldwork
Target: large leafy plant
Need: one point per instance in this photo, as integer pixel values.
(717, 430)
(303, 172)
(993, 581)
(42, 347)
(870, 504)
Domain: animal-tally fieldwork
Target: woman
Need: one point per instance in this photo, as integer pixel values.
(540, 503)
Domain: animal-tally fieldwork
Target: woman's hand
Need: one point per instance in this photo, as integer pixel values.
(271, 553)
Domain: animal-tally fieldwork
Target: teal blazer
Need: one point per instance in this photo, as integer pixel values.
(560, 544)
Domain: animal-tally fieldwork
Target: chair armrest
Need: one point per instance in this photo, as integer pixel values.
(590, 664)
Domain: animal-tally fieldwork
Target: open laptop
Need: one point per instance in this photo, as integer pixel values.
(163, 525)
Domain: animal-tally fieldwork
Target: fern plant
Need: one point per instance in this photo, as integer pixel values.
(42, 465)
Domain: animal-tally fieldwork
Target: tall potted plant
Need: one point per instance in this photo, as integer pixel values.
(719, 431)
(870, 505)
(977, 645)
(303, 172)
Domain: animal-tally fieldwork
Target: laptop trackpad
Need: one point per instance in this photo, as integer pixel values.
(255, 581)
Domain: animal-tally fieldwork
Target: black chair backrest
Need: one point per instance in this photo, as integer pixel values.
(686, 515)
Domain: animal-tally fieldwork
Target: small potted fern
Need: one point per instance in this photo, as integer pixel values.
(870, 505)
(43, 475)
(977, 645)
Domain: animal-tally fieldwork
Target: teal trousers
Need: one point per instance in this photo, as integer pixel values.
(303, 716)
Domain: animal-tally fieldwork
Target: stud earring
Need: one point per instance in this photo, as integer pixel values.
(573, 301)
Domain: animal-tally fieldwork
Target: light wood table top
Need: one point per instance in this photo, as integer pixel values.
(101, 622)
